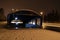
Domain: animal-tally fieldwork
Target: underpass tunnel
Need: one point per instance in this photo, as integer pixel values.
(24, 19)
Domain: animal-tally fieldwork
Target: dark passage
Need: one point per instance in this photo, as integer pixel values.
(24, 19)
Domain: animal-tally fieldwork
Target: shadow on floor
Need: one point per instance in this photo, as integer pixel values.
(10, 27)
(57, 29)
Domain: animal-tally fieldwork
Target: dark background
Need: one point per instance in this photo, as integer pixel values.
(37, 5)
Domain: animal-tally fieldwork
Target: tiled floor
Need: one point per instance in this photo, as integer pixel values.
(28, 34)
